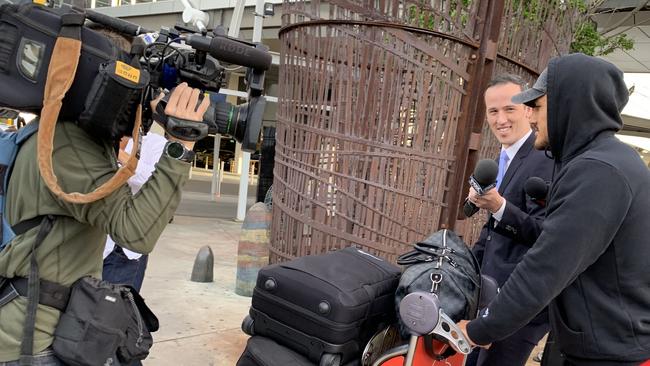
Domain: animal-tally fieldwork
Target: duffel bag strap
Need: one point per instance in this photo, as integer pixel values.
(436, 278)
(435, 249)
(426, 252)
(414, 257)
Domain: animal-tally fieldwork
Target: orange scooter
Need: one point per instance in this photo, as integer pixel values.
(435, 338)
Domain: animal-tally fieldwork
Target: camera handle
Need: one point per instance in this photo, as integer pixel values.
(179, 128)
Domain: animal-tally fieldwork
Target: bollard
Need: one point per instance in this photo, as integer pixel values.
(253, 248)
(203, 266)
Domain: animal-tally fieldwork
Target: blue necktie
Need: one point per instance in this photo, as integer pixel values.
(503, 165)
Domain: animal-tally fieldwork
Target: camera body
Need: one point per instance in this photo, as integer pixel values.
(170, 63)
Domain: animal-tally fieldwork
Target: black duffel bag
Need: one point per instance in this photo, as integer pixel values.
(444, 265)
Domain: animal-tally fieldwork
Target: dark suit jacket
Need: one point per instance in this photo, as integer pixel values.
(500, 248)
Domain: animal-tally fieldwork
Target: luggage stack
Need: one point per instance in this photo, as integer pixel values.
(319, 310)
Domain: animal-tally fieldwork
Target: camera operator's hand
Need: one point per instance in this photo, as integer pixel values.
(182, 104)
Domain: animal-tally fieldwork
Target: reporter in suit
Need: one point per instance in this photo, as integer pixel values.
(514, 220)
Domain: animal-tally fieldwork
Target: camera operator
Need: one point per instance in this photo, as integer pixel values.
(74, 246)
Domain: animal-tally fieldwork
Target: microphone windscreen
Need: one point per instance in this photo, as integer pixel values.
(486, 172)
(536, 188)
(234, 52)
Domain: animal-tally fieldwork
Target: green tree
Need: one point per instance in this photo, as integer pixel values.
(591, 41)
(587, 38)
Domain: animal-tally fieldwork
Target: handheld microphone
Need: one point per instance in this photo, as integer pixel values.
(537, 189)
(482, 180)
(232, 51)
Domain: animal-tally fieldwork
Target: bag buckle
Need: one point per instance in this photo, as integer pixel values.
(7, 292)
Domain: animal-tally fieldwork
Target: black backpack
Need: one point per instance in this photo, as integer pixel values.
(444, 265)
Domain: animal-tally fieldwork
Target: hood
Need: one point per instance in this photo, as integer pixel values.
(585, 98)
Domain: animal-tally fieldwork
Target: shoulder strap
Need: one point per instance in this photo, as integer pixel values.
(60, 75)
(33, 289)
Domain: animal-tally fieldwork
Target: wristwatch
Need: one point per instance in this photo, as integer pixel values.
(178, 151)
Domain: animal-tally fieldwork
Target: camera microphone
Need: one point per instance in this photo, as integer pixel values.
(232, 51)
(537, 189)
(119, 25)
(483, 179)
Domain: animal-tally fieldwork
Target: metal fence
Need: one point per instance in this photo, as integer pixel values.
(380, 118)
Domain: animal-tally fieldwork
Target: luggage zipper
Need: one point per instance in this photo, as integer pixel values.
(304, 312)
(310, 274)
(382, 269)
(129, 295)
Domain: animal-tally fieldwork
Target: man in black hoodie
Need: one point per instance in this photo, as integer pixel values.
(589, 265)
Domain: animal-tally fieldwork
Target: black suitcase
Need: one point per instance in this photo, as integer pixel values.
(262, 351)
(325, 306)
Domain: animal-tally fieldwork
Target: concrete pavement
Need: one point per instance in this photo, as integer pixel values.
(199, 322)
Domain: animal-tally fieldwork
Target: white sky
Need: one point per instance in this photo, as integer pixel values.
(639, 104)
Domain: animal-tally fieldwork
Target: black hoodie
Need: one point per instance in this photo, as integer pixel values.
(590, 264)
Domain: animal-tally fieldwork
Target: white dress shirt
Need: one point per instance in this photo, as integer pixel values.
(511, 151)
(152, 148)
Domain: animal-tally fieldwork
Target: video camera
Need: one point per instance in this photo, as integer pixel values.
(195, 62)
(110, 84)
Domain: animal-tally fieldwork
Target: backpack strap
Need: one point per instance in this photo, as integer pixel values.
(26, 132)
(8, 159)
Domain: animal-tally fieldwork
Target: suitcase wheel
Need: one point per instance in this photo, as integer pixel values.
(247, 325)
(330, 359)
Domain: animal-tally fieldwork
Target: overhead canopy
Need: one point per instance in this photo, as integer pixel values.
(636, 115)
(631, 17)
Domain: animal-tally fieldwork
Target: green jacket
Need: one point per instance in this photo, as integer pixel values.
(73, 248)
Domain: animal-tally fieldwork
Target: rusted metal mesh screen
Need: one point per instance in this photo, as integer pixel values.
(367, 122)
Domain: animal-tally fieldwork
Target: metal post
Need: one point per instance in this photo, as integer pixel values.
(243, 181)
(243, 188)
(473, 113)
(235, 21)
(193, 166)
(220, 179)
(215, 168)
